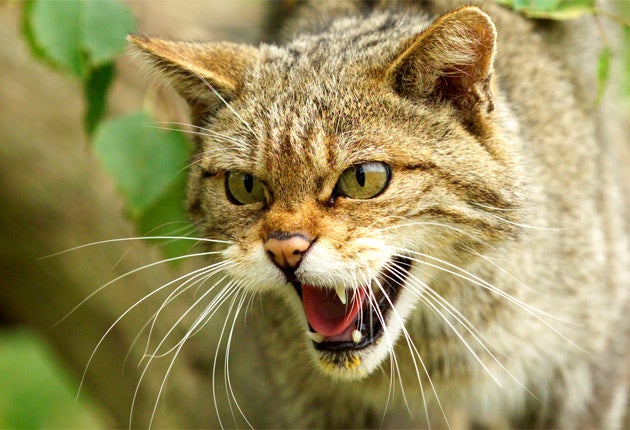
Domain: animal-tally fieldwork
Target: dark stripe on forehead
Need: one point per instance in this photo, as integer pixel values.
(479, 192)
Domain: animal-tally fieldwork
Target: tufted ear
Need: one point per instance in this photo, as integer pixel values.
(197, 70)
(451, 60)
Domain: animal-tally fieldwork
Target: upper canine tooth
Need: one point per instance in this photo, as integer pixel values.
(315, 337)
(341, 293)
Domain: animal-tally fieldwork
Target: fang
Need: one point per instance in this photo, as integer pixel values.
(341, 293)
(315, 337)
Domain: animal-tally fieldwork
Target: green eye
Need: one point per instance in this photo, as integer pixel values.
(243, 188)
(364, 181)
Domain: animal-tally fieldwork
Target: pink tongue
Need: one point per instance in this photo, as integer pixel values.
(325, 312)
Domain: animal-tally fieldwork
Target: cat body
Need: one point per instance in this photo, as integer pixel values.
(444, 173)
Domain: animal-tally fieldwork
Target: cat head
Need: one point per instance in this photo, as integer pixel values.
(340, 167)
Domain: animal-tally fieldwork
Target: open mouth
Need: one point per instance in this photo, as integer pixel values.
(352, 319)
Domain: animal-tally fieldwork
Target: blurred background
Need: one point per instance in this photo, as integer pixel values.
(55, 196)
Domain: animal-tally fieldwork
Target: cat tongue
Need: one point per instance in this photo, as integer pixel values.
(325, 312)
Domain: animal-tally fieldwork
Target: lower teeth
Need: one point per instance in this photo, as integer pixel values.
(315, 337)
(356, 336)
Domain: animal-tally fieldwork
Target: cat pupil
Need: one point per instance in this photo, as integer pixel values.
(248, 182)
(360, 176)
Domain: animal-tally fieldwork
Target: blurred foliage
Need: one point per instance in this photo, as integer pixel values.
(551, 9)
(36, 392)
(83, 38)
(148, 165)
(573, 9)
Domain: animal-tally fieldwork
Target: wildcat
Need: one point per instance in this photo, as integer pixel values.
(429, 209)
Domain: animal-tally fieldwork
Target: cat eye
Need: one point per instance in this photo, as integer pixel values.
(243, 188)
(363, 181)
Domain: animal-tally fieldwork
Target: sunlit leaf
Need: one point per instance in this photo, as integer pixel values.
(143, 160)
(54, 30)
(552, 9)
(77, 35)
(104, 28)
(81, 37)
(167, 217)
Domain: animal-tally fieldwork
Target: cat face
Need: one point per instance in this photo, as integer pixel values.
(328, 172)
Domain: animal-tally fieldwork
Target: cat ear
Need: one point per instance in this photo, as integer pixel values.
(198, 70)
(451, 60)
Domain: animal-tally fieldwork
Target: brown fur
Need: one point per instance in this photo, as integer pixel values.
(500, 168)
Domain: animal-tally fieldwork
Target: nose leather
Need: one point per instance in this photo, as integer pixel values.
(286, 251)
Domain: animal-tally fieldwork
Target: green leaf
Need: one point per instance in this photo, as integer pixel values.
(168, 217)
(104, 28)
(552, 9)
(28, 32)
(603, 72)
(37, 391)
(77, 35)
(54, 33)
(143, 160)
(95, 91)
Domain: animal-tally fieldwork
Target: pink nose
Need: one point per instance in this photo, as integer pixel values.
(285, 251)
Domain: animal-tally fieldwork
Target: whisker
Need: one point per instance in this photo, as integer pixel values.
(214, 303)
(198, 325)
(451, 326)
(216, 359)
(129, 273)
(527, 226)
(201, 278)
(415, 353)
(227, 359)
(460, 318)
(392, 354)
(480, 282)
(205, 81)
(489, 261)
(129, 239)
(198, 276)
(126, 312)
(181, 344)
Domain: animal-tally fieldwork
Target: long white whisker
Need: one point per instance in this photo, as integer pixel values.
(206, 274)
(198, 325)
(129, 239)
(460, 318)
(188, 334)
(129, 273)
(489, 261)
(226, 369)
(216, 359)
(180, 344)
(111, 327)
(199, 131)
(415, 353)
(394, 360)
(197, 276)
(480, 282)
(205, 81)
(457, 333)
